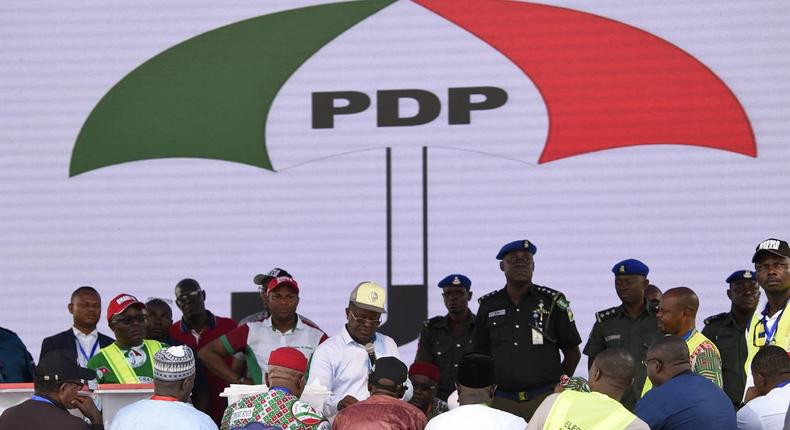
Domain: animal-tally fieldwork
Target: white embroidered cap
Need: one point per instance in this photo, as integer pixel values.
(174, 363)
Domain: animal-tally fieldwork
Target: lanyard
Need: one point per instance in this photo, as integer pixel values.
(93, 349)
(42, 399)
(281, 389)
(783, 384)
(687, 335)
(770, 332)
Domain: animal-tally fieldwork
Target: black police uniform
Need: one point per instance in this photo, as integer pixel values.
(730, 339)
(525, 339)
(437, 345)
(614, 328)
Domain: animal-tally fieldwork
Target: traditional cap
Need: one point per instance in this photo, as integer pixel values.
(476, 370)
(281, 281)
(368, 295)
(429, 370)
(515, 246)
(59, 365)
(288, 357)
(119, 304)
(742, 274)
(456, 280)
(630, 267)
(174, 363)
(774, 246)
(389, 368)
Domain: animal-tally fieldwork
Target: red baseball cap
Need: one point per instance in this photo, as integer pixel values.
(119, 304)
(282, 281)
(289, 358)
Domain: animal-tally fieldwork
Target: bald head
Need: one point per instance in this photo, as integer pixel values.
(685, 297)
(617, 365)
(666, 358)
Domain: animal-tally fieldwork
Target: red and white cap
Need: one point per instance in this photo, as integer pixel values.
(282, 281)
(119, 304)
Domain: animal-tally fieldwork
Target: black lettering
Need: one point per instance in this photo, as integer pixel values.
(324, 109)
(461, 105)
(388, 110)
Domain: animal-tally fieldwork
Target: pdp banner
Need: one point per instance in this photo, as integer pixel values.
(393, 141)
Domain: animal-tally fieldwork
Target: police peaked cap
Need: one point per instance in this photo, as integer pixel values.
(455, 280)
(630, 267)
(517, 245)
(742, 274)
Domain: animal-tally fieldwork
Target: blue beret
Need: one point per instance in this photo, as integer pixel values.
(630, 267)
(741, 274)
(455, 280)
(515, 246)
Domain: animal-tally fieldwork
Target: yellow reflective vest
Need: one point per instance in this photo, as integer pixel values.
(755, 336)
(588, 411)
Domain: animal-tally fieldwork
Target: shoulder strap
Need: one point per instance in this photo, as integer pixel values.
(119, 365)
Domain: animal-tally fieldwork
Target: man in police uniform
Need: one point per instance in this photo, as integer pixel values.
(524, 326)
(445, 339)
(726, 330)
(631, 325)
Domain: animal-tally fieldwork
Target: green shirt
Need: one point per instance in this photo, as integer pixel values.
(730, 339)
(138, 357)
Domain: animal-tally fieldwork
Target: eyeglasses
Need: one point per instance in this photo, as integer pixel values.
(194, 295)
(129, 320)
(365, 321)
(645, 362)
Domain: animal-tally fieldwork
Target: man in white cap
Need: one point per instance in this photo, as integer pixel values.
(167, 409)
(343, 362)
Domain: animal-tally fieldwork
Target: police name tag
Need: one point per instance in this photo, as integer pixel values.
(612, 337)
(537, 337)
(495, 313)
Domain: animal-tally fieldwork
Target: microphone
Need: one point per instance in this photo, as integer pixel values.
(371, 350)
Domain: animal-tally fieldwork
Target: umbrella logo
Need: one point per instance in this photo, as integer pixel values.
(603, 84)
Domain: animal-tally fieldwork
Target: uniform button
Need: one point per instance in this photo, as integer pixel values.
(494, 324)
(516, 325)
(457, 345)
(439, 353)
(455, 365)
(518, 310)
(515, 343)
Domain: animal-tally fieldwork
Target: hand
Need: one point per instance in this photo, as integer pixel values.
(88, 408)
(751, 393)
(245, 381)
(346, 402)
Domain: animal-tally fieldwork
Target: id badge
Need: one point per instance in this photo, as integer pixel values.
(537, 337)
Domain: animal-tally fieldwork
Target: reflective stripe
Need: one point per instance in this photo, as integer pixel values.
(120, 365)
(781, 337)
(589, 411)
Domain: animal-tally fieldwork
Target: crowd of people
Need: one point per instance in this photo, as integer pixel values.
(510, 366)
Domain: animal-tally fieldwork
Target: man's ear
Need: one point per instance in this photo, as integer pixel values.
(470, 295)
(729, 294)
(266, 379)
(502, 265)
(71, 308)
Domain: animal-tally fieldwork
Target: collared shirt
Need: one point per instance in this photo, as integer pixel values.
(437, 345)
(473, 417)
(729, 338)
(614, 328)
(276, 407)
(342, 365)
(766, 412)
(380, 412)
(525, 338)
(259, 339)
(152, 414)
(87, 345)
(687, 401)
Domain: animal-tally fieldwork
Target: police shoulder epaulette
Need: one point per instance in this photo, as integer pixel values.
(486, 296)
(716, 317)
(431, 321)
(605, 314)
(557, 297)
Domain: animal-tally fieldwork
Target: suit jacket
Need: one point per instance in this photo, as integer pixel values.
(65, 340)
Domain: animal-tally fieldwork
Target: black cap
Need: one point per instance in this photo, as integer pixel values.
(774, 246)
(263, 280)
(389, 368)
(476, 370)
(59, 365)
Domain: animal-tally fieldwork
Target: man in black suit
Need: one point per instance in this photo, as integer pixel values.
(83, 340)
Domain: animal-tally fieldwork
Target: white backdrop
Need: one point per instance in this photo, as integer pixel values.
(692, 214)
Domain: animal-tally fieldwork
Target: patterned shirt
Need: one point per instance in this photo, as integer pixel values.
(705, 358)
(275, 407)
(438, 407)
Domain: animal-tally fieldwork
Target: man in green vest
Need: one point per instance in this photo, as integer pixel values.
(611, 376)
(128, 360)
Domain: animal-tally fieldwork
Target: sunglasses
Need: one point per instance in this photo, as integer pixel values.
(365, 321)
